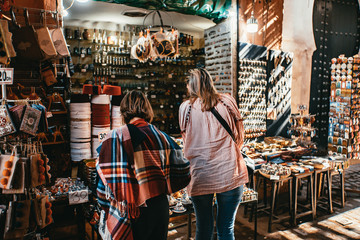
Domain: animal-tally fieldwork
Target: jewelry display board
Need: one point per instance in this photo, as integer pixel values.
(344, 107)
(252, 84)
(279, 92)
(218, 56)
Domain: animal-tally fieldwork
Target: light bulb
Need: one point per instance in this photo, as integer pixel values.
(252, 24)
(65, 13)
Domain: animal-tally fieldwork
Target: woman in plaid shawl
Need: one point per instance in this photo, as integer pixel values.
(138, 165)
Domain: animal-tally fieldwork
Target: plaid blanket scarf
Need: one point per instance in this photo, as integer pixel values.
(137, 162)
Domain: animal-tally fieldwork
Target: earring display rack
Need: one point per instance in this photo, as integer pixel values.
(218, 56)
(344, 116)
(252, 97)
(252, 89)
(264, 90)
(279, 92)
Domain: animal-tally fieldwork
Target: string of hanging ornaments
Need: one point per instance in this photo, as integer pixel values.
(156, 41)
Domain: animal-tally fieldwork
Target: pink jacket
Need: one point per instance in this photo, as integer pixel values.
(216, 163)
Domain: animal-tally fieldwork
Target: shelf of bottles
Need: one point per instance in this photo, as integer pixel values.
(104, 56)
(344, 116)
(252, 97)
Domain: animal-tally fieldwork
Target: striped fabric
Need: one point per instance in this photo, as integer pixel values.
(137, 162)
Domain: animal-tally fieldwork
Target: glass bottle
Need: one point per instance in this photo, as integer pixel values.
(99, 38)
(134, 38)
(116, 40)
(104, 38)
(94, 38)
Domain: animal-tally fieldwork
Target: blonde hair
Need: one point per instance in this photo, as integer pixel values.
(200, 85)
(135, 104)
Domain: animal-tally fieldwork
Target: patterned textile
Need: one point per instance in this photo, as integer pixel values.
(137, 162)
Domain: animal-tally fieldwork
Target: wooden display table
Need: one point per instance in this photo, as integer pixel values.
(318, 173)
(297, 177)
(274, 192)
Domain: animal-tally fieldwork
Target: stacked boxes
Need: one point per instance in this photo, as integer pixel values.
(344, 137)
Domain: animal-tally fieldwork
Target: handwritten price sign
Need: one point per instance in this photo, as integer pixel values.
(102, 136)
(78, 197)
(6, 76)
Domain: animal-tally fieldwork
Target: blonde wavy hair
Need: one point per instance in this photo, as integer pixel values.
(200, 85)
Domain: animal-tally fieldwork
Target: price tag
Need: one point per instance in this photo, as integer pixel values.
(162, 65)
(274, 177)
(170, 76)
(83, 70)
(113, 76)
(102, 136)
(139, 88)
(6, 76)
(78, 197)
(48, 114)
(82, 55)
(153, 96)
(134, 66)
(302, 107)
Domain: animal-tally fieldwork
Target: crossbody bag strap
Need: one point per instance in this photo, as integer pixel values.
(223, 123)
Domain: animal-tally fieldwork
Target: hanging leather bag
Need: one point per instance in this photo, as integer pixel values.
(25, 40)
(58, 39)
(44, 39)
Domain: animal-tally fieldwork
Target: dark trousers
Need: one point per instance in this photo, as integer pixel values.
(153, 221)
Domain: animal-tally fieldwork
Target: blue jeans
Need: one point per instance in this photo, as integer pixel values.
(227, 205)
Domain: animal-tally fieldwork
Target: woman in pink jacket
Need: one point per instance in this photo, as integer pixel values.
(216, 163)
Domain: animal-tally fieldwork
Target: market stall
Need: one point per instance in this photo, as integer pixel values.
(63, 79)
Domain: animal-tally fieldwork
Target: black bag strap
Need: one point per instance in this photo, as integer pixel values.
(223, 123)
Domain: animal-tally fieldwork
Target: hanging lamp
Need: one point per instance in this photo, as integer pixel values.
(252, 24)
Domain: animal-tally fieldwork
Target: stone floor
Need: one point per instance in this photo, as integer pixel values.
(344, 223)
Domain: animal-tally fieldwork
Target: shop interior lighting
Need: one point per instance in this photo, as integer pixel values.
(65, 10)
(252, 24)
(65, 13)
